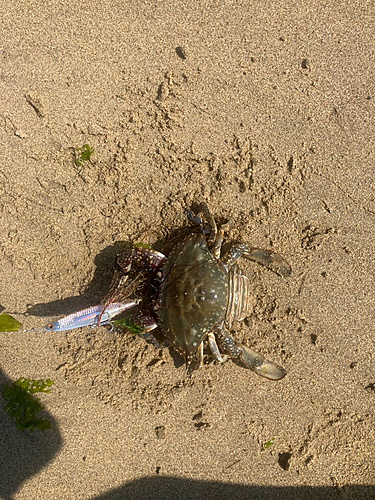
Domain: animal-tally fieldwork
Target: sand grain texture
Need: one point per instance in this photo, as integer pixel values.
(265, 111)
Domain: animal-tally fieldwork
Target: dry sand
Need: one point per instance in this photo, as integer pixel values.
(265, 110)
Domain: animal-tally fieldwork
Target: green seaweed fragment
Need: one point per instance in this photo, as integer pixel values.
(142, 245)
(129, 324)
(269, 443)
(8, 323)
(84, 154)
(22, 405)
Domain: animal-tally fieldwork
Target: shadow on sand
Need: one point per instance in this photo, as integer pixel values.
(94, 293)
(172, 488)
(23, 453)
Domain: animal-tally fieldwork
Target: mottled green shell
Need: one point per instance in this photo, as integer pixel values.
(192, 296)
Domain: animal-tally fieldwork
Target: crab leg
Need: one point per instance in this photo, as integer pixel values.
(140, 254)
(271, 260)
(148, 323)
(259, 365)
(211, 222)
(219, 239)
(253, 360)
(215, 350)
(215, 237)
(200, 354)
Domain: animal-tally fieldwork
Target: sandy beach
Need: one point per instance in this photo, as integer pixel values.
(266, 112)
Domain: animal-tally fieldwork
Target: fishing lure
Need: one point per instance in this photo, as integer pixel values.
(89, 317)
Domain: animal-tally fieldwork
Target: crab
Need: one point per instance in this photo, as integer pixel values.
(200, 294)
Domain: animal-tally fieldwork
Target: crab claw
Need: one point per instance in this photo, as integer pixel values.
(258, 364)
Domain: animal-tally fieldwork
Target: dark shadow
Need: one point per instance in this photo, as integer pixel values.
(94, 293)
(172, 488)
(180, 51)
(23, 453)
(177, 358)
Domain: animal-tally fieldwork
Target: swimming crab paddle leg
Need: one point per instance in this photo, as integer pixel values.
(253, 360)
(273, 261)
(261, 366)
